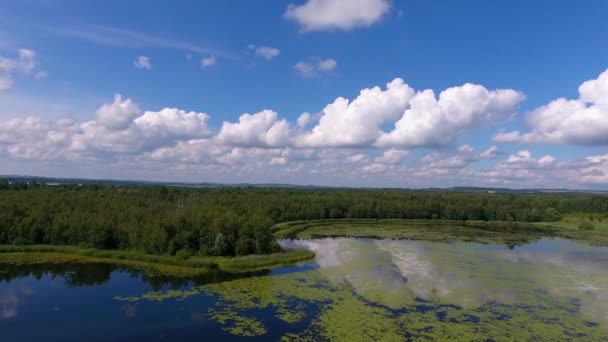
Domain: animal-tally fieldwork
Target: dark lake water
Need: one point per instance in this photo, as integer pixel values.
(369, 289)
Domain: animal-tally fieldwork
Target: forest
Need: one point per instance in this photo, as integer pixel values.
(238, 221)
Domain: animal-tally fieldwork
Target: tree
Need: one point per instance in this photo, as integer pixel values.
(551, 215)
(220, 247)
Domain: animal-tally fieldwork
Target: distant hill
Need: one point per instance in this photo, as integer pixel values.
(113, 182)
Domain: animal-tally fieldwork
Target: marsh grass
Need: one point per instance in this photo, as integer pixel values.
(257, 262)
(152, 264)
(510, 233)
(571, 222)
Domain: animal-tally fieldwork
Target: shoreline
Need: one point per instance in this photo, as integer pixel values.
(153, 265)
(497, 232)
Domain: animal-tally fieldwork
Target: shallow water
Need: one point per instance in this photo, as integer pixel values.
(355, 289)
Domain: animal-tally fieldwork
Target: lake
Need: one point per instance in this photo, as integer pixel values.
(355, 289)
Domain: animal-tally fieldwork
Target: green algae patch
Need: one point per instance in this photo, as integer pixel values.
(237, 324)
(160, 296)
(343, 315)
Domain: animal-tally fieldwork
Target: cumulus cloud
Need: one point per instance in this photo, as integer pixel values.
(589, 170)
(142, 62)
(207, 62)
(117, 115)
(119, 127)
(464, 156)
(490, 153)
(345, 138)
(392, 156)
(190, 151)
(436, 121)
(173, 122)
(265, 52)
(24, 64)
(321, 15)
(304, 119)
(314, 66)
(583, 121)
(523, 169)
(359, 122)
(256, 130)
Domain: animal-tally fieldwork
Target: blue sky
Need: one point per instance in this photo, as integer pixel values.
(61, 61)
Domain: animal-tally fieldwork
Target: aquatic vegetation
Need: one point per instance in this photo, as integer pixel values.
(395, 290)
(237, 324)
(160, 296)
(344, 315)
(256, 262)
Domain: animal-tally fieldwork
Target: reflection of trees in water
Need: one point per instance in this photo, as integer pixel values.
(75, 275)
(78, 274)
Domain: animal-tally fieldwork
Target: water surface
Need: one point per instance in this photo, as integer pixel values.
(356, 289)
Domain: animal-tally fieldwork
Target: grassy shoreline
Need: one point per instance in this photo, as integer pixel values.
(149, 264)
(437, 230)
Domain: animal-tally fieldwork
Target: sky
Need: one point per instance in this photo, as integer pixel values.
(359, 93)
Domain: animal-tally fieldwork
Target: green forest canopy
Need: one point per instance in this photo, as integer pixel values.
(237, 221)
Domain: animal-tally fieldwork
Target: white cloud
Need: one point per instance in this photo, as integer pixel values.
(190, 151)
(115, 36)
(314, 66)
(590, 170)
(329, 64)
(359, 123)
(305, 69)
(304, 119)
(207, 62)
(490, 153)
(431, 121)
(24, 64)
(342, 139)
(117, 115)
(256, 130)
(583, 121)
(118, 129)
(42, 74)
(173, 122)
(265, 52)
(321, 15)
(392, 156)
(142, 62)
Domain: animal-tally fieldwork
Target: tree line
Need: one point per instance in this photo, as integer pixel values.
(237, 221)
